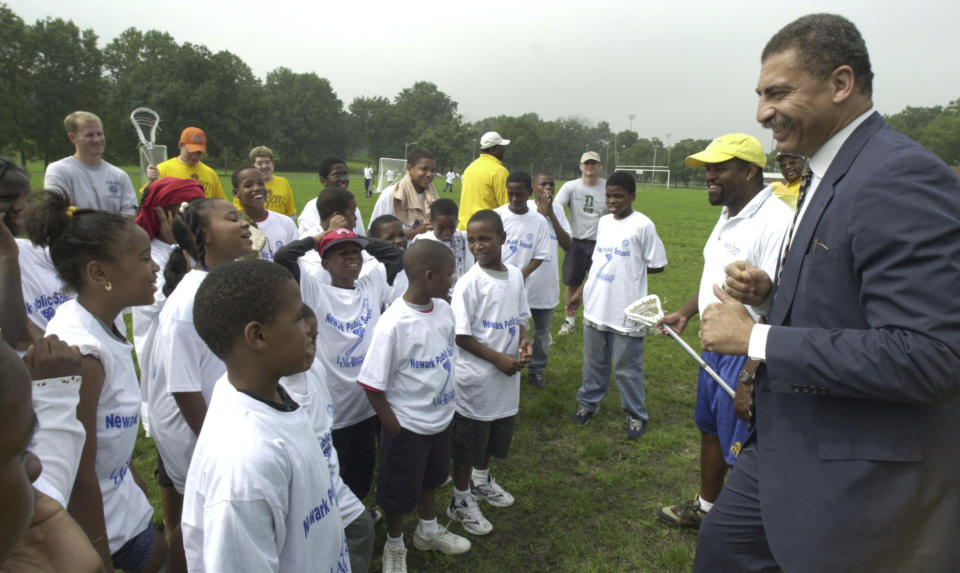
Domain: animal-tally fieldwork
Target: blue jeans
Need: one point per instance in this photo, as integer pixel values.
(540, 339)
(599, 347)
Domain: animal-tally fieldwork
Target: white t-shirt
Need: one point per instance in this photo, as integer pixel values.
(527, 237)
(125, 506)
(368, 172)
(390, 175)
(411, 359)
(279, 230)
(145, 319)
(104, 187)
(346, 319)
(543, 284)
(491, 310)
(179, 362)
(462, 257)
(586, 205)
(384, 204)
(754, 235)
(618, 274)
(450, 177)
(43, 291)
(59, 438)
(309, 389)
(311, 264)
(308, 222)
(259, 496)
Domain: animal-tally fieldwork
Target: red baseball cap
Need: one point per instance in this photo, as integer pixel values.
(338, 236)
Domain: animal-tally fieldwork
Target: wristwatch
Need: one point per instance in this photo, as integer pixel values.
(746, 377)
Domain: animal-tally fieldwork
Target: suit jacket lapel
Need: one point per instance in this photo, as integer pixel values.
(784, 293)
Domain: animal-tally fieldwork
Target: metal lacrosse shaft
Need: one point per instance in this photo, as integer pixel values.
(706, 367)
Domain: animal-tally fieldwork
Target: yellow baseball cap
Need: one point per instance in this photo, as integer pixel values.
(726, 147)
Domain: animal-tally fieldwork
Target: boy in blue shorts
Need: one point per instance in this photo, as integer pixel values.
(408, 378)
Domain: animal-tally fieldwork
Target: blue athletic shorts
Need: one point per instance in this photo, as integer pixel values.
(136, 553)
(714, 412)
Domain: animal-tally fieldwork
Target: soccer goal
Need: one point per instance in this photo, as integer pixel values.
(389, 171)
(647, 174)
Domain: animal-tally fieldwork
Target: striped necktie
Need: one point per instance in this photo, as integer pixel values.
(805, 180)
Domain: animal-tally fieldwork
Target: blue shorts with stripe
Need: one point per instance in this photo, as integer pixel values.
(714, 412)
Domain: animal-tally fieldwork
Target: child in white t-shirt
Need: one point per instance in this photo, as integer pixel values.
(527, 231)
(627, 249)
(409, 380)
(491, 313)
(250, 190)
(258, 495)
(333, 173)
(348, 308)
(444, 215)
(180, 371)
(309, 389)
(389, 229)
(105, 259)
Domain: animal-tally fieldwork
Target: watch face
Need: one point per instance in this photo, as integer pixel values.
(746, 376)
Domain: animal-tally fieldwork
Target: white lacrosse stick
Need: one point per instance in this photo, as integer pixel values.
(647, 311)
(145, 120)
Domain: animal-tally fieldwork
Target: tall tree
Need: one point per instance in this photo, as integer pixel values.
(16, 61)
(307, 116)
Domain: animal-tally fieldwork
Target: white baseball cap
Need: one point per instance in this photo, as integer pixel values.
(590, 156)
(491, 139)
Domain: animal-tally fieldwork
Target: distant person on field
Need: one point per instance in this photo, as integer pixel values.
(187, 165)
(491, 313)
(791, 167)
(484, 184)
(584, 198)
(280, 199)
(367, 179)
(409, 381)
(448, 186)
(333, 172)
(627, 249)
(89, 181)
(391, 175)
(751, 228)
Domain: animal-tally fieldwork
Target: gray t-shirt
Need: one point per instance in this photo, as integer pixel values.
(104, 187)
(586, 205)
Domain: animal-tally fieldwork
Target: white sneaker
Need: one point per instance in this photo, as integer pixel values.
(492, 493)
(442, 541)
(395, 558)
(469, 515)
(566, 328)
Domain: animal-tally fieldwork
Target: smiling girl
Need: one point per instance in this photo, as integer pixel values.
(250, 190)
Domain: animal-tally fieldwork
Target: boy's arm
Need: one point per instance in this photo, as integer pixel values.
(378, 399)
(525, 348)
(288, 255)
(545, 208)
(504, 362)
(533, 265)
(390, 255)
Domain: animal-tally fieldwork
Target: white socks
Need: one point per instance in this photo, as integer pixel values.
(428, 527)
(458, 495)
(480, 476)
(571, 320)
(398, 541)
(704, 504)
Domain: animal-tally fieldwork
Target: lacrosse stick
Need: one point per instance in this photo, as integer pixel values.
(647, 311)
(145, 121)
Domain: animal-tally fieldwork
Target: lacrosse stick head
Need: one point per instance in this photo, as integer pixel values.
(646, 311)
(145, 120)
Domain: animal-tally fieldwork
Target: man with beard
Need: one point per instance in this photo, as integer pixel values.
(751, 227)
(791, 167)
(855, 464)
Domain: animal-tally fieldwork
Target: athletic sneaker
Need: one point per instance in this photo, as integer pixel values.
(491, 492)
(566, 328)
(442, 541)
(394, 558)
(635, 427)
(582, 415)
(687, 515)
(538, 380)
(468, 513)
(375, 514)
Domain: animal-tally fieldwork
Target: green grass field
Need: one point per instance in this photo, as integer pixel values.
(586, 497)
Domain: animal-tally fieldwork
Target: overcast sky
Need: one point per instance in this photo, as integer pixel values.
(684, 68)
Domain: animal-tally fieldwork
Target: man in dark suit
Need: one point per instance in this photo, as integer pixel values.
(855, 461)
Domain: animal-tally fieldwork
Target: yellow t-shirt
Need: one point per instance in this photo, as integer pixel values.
(484, 187)
(787, 193)
(207, 177)
(280, 198)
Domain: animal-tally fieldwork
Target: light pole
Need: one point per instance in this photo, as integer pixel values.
(405, 146)
(631, 117)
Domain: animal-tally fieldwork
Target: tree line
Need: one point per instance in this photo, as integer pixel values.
(52, 67)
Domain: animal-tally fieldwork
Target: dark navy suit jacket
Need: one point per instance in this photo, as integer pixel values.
(857, 404)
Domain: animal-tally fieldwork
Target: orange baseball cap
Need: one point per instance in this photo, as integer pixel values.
(195, 139)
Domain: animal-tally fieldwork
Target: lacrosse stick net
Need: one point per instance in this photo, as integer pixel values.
(647, 311)
(145, 121)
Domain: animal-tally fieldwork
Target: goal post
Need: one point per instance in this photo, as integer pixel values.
(389, 171)
(640, 170)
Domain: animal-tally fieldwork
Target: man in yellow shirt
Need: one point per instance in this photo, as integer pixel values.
(187, 165)
(485, 180)
(791, 167)
(280, 199)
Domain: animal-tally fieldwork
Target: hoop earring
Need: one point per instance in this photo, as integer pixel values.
(108, 287)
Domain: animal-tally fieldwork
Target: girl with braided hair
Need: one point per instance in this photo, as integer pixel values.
(180, 370)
